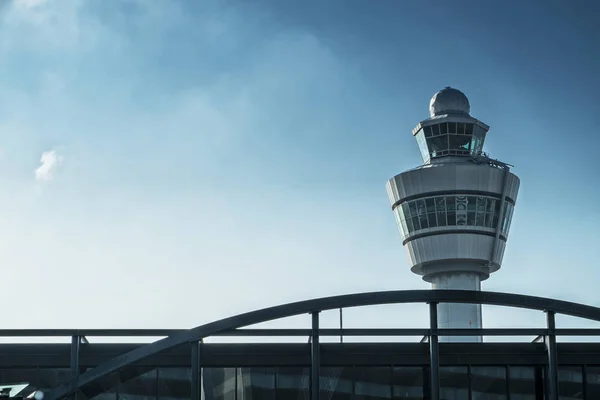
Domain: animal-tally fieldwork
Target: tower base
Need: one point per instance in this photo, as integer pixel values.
(458, 315)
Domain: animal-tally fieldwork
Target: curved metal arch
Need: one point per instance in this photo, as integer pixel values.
(323, 304)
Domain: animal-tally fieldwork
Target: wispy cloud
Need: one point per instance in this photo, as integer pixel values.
(50, 160)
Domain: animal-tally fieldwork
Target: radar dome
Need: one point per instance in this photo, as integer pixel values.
(449, 101)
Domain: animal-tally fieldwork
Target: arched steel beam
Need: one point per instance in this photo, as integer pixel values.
(322, 304)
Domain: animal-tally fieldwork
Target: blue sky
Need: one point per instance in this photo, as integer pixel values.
(200, 159)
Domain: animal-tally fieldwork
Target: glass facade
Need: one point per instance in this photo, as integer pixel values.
(345, 382)
(480, 212)
(450, 139)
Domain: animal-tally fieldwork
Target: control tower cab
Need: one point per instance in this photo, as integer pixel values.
(454, 211)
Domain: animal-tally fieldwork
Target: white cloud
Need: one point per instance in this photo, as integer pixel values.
(50, 161)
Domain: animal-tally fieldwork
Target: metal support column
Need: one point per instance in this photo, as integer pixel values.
(315, 358)
(74, 359)
(196, 371)
(341, 327)
(552, 357)
(434, 353)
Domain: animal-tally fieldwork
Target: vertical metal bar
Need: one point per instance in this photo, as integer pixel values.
(552, 357)
(315, 358)
(584, 381)
(507, 375)
(195, 361)
(434, 353)
(74, 360)
(341, 327)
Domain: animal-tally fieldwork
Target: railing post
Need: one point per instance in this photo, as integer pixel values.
(315, 358)
(196, 370)
(74, 359)
(434, 353)
(552, 357)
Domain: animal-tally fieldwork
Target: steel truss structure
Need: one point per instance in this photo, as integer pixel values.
(233, 326)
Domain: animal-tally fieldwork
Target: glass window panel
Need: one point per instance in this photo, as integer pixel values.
(461, 210)
(405, 211)
(412, 205)
(410, 228)
(428, 131)
(454, 383)
(451, 127)
(407, 383)
(451, 215)
(256, 382)
(422, 143)
(431, 220)
(471, 203)
(471, 218)
(593, 381)
(292, 383)
(372, 383)
(468, 129)
(488, 383)
(461, 143)
(477, 140)
(490, 205)
(450, 203)
(570, 382)
(443, 128)
(435, 129)
(219, 383)
(430, 204)
(423, 221)
(460, 128)
(522, 383)
(440, 204)
(416, 223)
(421, 207)
(137, 383)
(437, 145)
(441, 218)
(336, 383)
(480, 217)
(174, 383)
(42, 379)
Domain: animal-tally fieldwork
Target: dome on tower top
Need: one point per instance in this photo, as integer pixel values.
(449, 101)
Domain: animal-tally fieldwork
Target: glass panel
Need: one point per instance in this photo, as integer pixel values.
(138, 383)
(477, 140)
(431, 220)
(292, 383)
(461, 143)
(488, 383)
(468, 129)
(451, 127)
(372, 383)
(460, 128)
(412, 205)
(454, 383)
(522, 383)
(410, 227)
(443, 128)
(471, 203)
(570, 382)
(256, 382)
(593, 382)
(39, 378)
(430, 204)
(416, 223)
(451, 215)
(461, 210)
(219, 383)
(422, 143)
(437, 145)
(405, 211)
(480, 208)
(407, 383)
(435, 129)
(450, 203)
(428, 131)
(336, 383)
(174, 383)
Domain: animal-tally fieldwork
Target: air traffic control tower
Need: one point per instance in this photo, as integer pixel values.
(454, 211)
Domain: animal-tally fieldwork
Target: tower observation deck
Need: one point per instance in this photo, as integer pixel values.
(454, 211)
